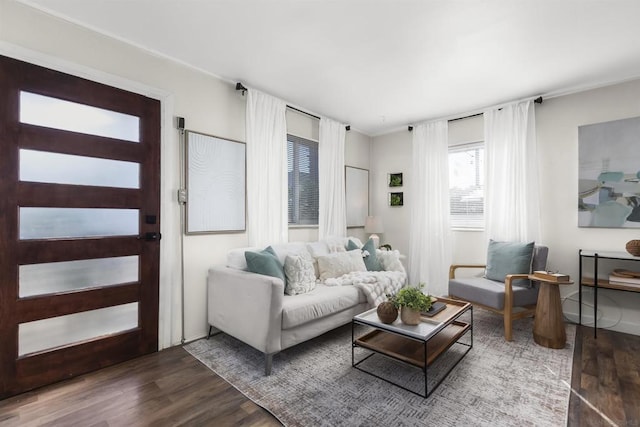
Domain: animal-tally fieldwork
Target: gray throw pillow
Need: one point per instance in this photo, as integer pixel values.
(265, 262)
(508, 258)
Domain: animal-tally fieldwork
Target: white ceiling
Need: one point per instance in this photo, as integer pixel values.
(382, 64)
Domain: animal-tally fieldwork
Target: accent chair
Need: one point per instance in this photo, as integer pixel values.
(511, 295)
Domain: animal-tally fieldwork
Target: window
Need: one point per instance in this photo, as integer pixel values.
(302, 161)
(466, 185)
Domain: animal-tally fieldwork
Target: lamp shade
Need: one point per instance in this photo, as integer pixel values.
(373, 224)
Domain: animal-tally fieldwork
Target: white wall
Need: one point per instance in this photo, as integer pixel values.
(392, 153)
(557, 130)
(557, 122)
(208, 104)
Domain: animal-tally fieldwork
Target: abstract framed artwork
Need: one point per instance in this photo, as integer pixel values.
(609, 174)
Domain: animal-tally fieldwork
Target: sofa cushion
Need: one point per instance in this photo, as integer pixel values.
(301, 277)
(317, 249)
(236, 258)
(291, 248)
(265, 262)
(320, 302)
(508, 258)
(490, 292)
(339, 263)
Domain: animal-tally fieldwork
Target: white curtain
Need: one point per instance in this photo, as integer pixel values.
(430, 240)
(332, 215)
(267, 211)
(512, 210)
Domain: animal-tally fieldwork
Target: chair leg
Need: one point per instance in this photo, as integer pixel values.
(508, 308)
(508, 323)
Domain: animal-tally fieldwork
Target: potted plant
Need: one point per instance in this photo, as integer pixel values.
(411, 301)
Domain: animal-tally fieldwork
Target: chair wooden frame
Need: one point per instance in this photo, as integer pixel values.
(507, 312)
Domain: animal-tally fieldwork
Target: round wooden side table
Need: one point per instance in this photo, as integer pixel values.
(548, 326)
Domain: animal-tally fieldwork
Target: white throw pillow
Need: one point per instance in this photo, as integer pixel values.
(390, 260)
(339, 263)
(300, 274)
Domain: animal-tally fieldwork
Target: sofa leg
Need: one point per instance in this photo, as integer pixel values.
(268, 360)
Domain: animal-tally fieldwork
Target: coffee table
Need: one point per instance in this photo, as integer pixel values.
(419, 345)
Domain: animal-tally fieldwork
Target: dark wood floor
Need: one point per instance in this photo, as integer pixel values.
(173, 388)
(168, 388)
(605, 379)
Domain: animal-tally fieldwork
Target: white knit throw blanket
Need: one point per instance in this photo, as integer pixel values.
(375, 284)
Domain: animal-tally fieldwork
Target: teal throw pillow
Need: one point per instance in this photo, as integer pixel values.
(351, 245)
(508, 258)
(371, 260)
(265, 262)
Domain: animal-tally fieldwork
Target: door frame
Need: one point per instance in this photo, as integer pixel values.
(171, 258)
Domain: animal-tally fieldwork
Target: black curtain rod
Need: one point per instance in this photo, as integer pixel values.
(347, 127)
(303, 112)
(538, 100)
(240, 86)
(465, 117)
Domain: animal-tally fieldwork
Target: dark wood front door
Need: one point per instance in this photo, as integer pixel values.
(79, 225)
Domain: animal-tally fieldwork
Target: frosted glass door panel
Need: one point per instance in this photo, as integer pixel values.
(54, 332)
(53, 277)
(42, 166)
(58, 223)
(56, 113)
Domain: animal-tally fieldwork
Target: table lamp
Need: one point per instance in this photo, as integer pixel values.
(373, 225)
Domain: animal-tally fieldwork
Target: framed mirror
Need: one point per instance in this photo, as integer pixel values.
(357, 195)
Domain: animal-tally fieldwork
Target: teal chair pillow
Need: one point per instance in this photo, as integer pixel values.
(265, 262)
(508, 258)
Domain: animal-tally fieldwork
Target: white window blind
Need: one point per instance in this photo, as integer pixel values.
(466, 185)
(302, 160)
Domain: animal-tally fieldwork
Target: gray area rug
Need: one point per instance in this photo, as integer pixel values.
(497, 383)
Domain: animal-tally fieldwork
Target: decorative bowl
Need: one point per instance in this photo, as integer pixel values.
(633, 247)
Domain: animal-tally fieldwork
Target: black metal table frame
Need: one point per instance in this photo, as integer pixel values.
(427, 393)
(596, 257)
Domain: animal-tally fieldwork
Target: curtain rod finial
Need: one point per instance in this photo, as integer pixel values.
(240, 86)
(538, 100)
(410, 128)
(348, 127)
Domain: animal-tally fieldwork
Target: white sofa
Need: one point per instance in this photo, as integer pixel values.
(255, 309)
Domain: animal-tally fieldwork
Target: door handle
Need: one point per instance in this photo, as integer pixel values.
(151, 236)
